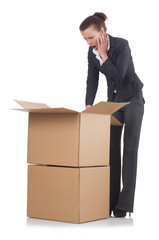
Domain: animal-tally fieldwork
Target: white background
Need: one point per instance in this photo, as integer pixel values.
(43, 58)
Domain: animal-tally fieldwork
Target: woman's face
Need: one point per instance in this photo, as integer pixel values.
(90, 35)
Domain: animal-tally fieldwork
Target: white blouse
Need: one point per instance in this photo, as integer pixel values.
(97, 53)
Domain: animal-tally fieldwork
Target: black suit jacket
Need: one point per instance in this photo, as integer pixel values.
(118, 69)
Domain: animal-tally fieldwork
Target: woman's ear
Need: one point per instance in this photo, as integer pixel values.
(102, 30)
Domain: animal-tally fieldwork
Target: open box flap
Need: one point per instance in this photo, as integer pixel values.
(30, 105)
(105, 108)
(41, 108)
(47, 110)
(114, 121)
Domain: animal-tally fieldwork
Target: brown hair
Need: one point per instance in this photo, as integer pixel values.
(97, 20)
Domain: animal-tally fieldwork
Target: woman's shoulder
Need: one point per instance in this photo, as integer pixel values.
(118, 41)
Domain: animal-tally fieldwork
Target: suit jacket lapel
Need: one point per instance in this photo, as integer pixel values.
(112, 46)
(95, 59)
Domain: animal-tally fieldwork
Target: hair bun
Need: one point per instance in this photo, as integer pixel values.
(100, 15)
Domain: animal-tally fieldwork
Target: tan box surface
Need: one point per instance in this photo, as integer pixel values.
(60, 136)
(72, 178)
(68, 194)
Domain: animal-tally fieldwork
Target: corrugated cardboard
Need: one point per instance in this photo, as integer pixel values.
(77, 188)
(64, 137)
(68, 194)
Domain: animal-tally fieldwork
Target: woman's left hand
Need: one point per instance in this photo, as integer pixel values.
(102, 45)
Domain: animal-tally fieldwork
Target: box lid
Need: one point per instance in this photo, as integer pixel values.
(100, 108)
(105, 107)
(31, 105)
(114, 121)
(41, 108)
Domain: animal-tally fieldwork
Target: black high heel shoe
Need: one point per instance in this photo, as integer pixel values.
(110, 212)
(120, 213)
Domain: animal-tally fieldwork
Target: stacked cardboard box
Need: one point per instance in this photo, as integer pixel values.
(68, 156)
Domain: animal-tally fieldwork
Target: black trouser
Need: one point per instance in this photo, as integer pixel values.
(131, 117)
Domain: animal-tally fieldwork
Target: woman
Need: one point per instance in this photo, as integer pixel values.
(112, 57)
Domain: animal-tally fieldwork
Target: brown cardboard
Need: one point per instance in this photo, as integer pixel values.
(75, 186)
(68, 194)
(64, 137)
(31, 105)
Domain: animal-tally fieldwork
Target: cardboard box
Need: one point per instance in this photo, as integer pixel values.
(64, 137)
(68, 194)
(77, 188)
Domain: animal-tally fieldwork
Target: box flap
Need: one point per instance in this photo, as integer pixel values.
(30, 105)
(41, 108)
(105, 107)
(47, 110)
(114, 121)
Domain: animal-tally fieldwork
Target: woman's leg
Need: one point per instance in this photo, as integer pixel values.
(133, 114)
(115, 159)
(115, 164)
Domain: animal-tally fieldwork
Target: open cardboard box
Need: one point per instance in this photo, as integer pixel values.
(77, 189)
(60, 136)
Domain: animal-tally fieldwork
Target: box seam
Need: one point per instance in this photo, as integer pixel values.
(28, 170)
(79, 135)
(109, 139)
(79, 197)
(28, 138)
(79, 168)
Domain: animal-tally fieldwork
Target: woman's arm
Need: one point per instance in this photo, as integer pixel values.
(117, 72)
(92, 81)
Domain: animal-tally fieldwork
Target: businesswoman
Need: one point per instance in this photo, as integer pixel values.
(112, 57)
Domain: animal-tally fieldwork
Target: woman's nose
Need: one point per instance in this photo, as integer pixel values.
(89, 42)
